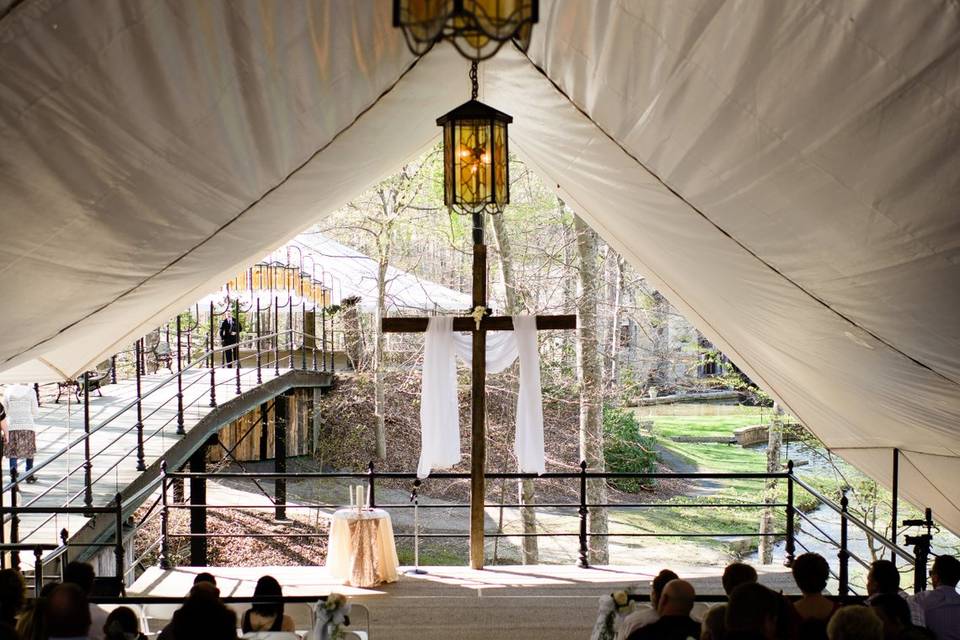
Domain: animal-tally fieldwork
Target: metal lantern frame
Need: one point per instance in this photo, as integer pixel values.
(489, 127)
(477, 28)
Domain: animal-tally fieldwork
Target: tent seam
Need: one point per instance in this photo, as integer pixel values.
(726, 233)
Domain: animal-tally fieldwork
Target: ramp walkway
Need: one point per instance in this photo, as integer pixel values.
(107, 450)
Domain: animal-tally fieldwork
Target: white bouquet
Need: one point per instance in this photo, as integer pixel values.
(330, 616)
(613, 609)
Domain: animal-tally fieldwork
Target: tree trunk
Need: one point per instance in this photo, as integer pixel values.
(660, 320)
(388, 198)
(525, 487)
(352, 333)
(591, 392)
(614, 286)
(570, 282)
(767, 523)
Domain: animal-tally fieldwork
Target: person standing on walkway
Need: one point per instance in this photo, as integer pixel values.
(229, 337)
(20, 404)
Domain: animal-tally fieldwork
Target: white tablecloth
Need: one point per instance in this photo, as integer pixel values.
(361, 550)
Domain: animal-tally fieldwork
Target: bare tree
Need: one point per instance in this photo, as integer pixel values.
(591, 388)
(767, 527)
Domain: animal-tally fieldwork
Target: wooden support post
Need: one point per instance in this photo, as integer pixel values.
(264, 425)
(198, 509)
(478, 433)
(87, 465)
(280, 413)
(894, 501)
(141, 356)
(180, 429)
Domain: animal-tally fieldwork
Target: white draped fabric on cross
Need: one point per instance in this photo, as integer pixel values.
(439, 412)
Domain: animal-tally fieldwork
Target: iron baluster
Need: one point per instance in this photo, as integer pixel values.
(290, 330)
(164, 518)
(371, 476)
(844, 555)
(141, 465)
(791, 548)
(180, 430)
(14, 518)
(118, 542)
(259, 333)
(213, 363)
(583, 561)
(87, 465)
(276, 336)
(236, 348)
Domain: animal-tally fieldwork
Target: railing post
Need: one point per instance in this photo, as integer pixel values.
(583, 562)
(198, 507)
(791, 547)
(236, 348)
(3, 556)
(87, 465)
(290, 331)
(14, 519)
(894, 501)
(303, 336)
(843, 555)
(213, 363)
(180, 430)
(65, 556)
(113, 370)
(314, 330)
(280, 414)
(164, 518)
(141, 465)
(371, 476)
(37, 571)
(276, 337)
(323, 336)
(259, 361)
(118, 547)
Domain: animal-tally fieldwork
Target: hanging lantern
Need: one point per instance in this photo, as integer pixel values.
(476, 170)
(477, 28)
(259, 277)
(305, 281)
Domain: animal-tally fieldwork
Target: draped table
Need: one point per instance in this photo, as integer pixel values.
(361, 551)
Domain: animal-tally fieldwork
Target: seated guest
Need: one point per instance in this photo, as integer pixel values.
(810, 572)
(855, 622)
(122, 624)
(267, 615)
(12, 596)
(894, 613)
(643, 617)
(32, 624)
(753, 613)
(68, 614)
(676, 602)
(884, 578)
(734, 575)
(81, 574)
(941, 605)
(202, 617)
(205, 577)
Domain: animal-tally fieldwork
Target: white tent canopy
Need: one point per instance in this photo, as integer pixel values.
(785, 172)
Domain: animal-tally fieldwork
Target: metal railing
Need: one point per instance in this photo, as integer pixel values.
(11, 513)
(583, 507)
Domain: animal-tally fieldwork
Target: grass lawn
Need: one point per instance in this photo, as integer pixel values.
(668, 426)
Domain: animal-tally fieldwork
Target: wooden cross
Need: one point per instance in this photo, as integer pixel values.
(478, 435)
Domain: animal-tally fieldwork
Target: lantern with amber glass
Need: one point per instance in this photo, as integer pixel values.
(477, 28)
(476, 171)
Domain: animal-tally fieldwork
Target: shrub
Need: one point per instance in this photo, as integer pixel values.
(626, 449)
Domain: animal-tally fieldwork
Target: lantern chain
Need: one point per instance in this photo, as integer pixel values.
(474, 89)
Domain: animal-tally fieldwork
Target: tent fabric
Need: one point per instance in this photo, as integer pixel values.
(785, 173)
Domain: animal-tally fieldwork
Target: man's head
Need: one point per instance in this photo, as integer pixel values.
(659, 582)
(677, 599)
(68, 615)
(883, 577)
(736, 574)
(80, 574)
(205, 577)
(854, 622)
(810, 571)
(204, 590)
(753, 609)
(945, 571)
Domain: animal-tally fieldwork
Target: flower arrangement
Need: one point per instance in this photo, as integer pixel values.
(613, 609)
(331, 615)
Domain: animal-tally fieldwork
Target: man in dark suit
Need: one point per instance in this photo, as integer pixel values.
(230, 335)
